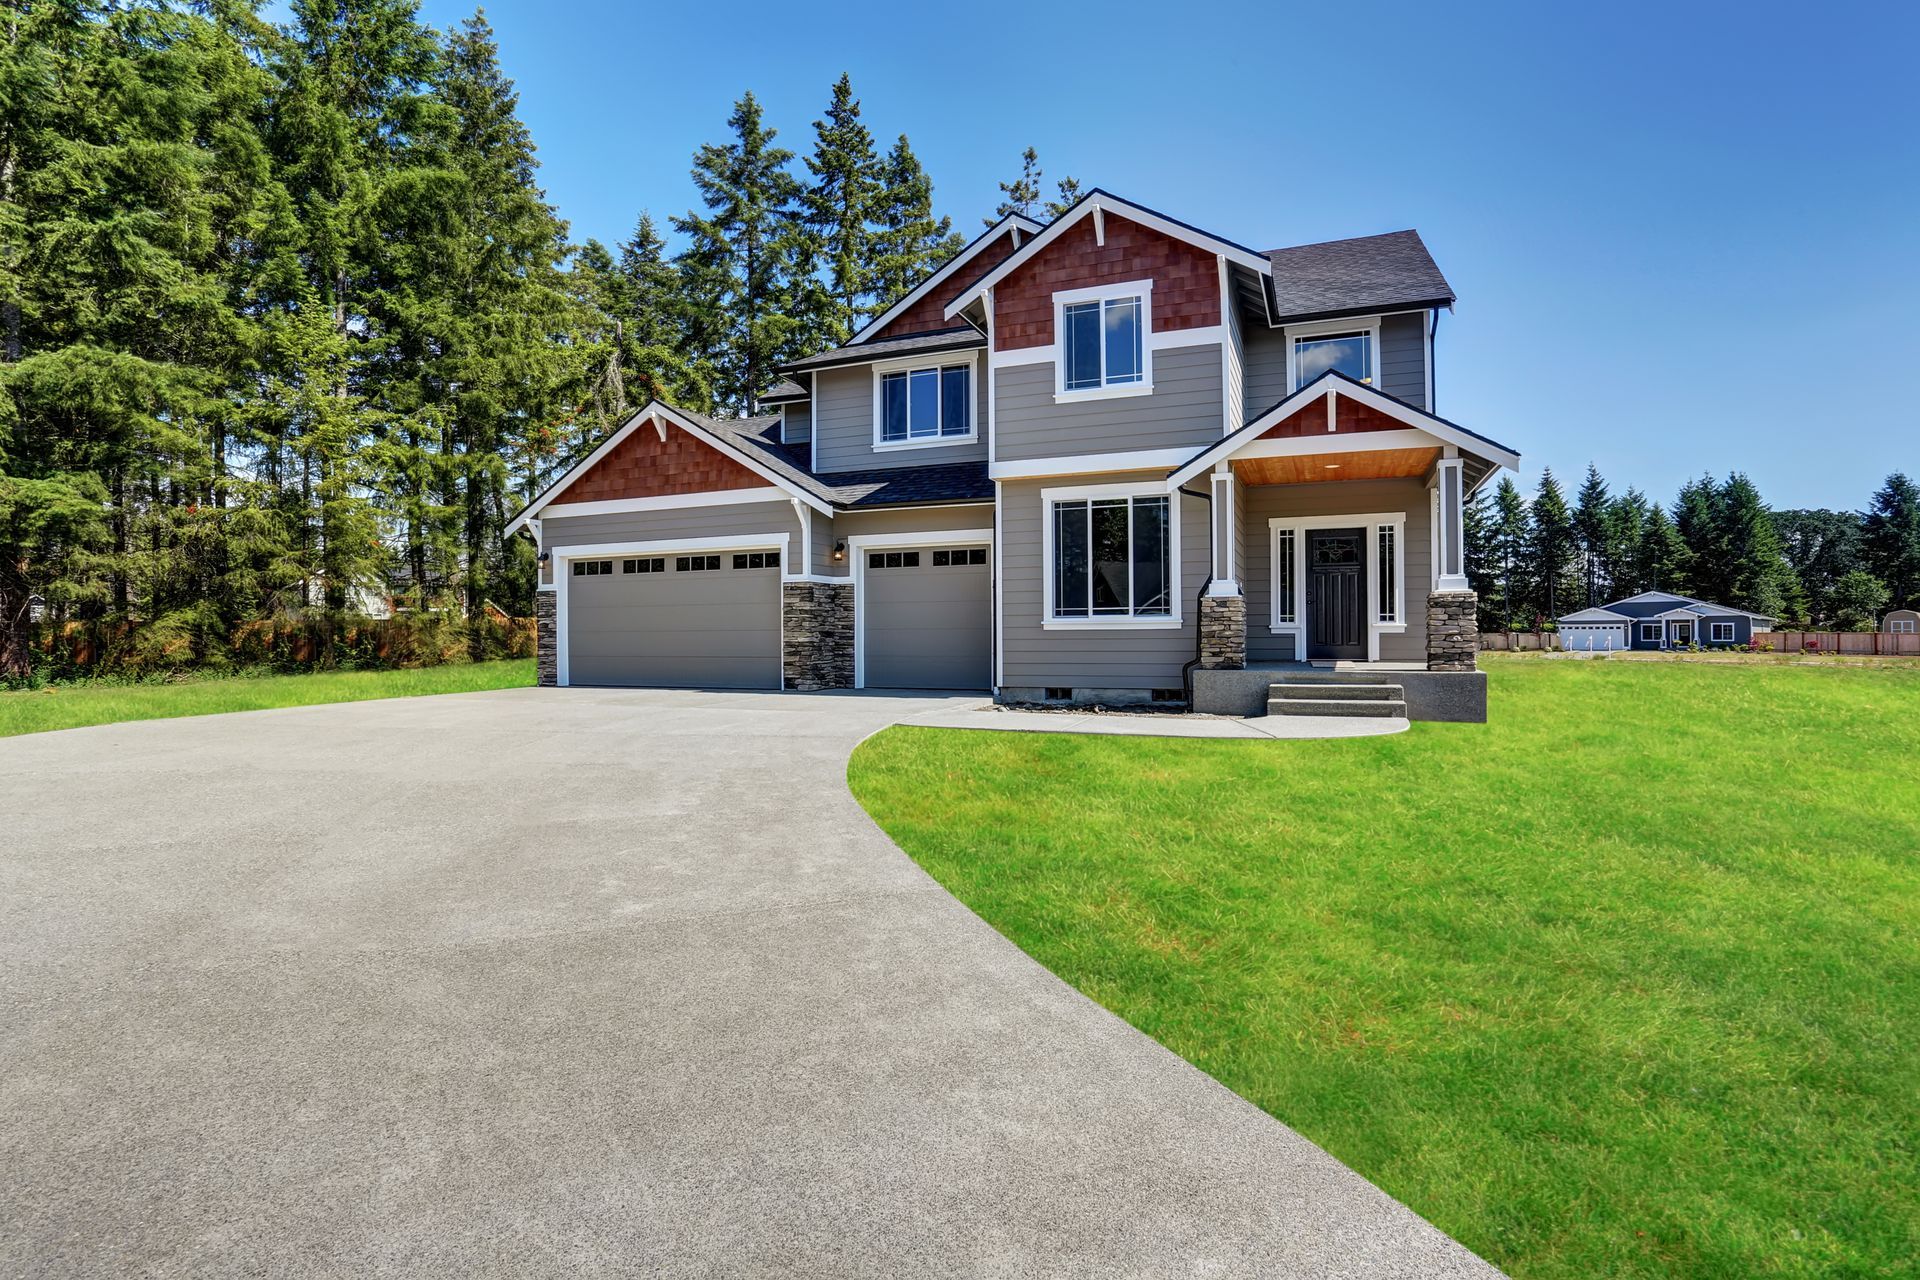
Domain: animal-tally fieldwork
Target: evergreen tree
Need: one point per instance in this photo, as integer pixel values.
(1821, 547)
(1022, 195)
(840, 208)
(910, 242)
(1664, 560)
(1697, 518)
(1508, 542)
(1067, 193)
(1555, 548)
(650, 324)
(1890, 536)
(1593, 529)
(744, 244)
(1626, 534)
(1477, 534)
(1755, 570)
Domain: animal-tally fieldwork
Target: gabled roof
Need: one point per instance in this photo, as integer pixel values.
(1333, 380)
(1352, 277)
(1696, 604)
(784, 390)
(951, 269)
(1647, 606)
(1098, 200)
(1594, 615)
(958, 339)
(779, 475)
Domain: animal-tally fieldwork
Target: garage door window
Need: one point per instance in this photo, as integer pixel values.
(757, 560)
(957, 556)
(591, 568)
(696, 564)
(657, 564)
(893, 560)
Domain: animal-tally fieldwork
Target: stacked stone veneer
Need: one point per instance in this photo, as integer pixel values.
(816, 642)
(1223, 632)
(1453, 632)
(546, 652)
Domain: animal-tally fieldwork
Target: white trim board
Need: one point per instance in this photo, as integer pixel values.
(669, 502)
(969, 360)
(1300, 527)
(1081, 464)
(1151, 489)
(860, 543)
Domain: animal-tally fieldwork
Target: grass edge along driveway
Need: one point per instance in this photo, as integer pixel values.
(76, 706)
(1621, 984)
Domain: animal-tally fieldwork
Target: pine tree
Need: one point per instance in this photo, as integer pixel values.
(744, 242)
(1508, 552)
(840, 207)
(1067, 194)
(1555, 547)
(1477, 533)
(1664, 561)
(910, 242)
(651, 316)
(1756, 572)
(1592, 533)
(1626, 532)
(1697, 519)
(1022, 195)
(1890, 536)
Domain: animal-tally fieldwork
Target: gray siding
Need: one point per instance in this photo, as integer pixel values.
(1366, 497)
(744, 519)
(1088, 658)
(798, 427)
(843, 422)
(1403, 362)
(1183, 410)
(1403, 357)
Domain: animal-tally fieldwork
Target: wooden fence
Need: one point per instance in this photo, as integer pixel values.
(1520, 641)
(1875, 643)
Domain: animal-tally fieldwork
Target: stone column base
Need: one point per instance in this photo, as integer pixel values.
(816, 635)
(1453, 630)
(1223, 632)
(546, 659)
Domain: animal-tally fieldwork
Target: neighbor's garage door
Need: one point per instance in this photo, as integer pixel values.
(1599, 637)
(927, 618)
(705, 621)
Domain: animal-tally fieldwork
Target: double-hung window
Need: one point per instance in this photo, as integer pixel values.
(1102, 337)
(930, 404)
(1111, 557)
(1720, 632)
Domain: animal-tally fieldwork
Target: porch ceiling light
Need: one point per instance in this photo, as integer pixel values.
(1331, 466)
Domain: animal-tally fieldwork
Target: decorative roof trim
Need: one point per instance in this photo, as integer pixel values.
(1012, 222)
(1104, 202)
(1332, 382)
(659, 411)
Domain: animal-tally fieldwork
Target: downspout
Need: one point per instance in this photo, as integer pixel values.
(1186, 670)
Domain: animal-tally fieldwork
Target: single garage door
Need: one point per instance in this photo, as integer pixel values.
(699, 621)
(927, 618)
(1595, 637)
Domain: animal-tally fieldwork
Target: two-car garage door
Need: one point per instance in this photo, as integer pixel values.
(706, 620)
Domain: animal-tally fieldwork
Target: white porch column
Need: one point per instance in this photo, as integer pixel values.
(1226, 528)
(1449, 532)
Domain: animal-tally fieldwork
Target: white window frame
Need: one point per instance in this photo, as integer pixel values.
(1673, 630)
(909, 365)
(1371, 525)
(1714, 636)
(1659, 635)
(1297, 333)
(1111, 622)
(1141, 289)
(1902, 626)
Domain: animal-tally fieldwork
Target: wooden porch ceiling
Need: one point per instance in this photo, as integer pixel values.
(1315, 468)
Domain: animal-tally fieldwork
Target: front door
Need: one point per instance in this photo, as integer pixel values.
(1336, 587)
(1682, 634)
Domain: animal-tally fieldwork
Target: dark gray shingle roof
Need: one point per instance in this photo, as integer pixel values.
(785, 389)
(1346, 277)
(940, 340)
(759, 439)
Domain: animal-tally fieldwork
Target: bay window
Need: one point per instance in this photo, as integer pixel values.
(931, 404)
(1110, 557)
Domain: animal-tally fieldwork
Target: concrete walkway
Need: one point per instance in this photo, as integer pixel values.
(578, 982)
(984, 715)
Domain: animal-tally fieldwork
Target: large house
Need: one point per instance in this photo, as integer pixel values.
(1658, 620)
(1111, 458)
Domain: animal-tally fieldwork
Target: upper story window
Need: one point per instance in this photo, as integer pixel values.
(1351, 347)
(1101, 335)
(931, 405)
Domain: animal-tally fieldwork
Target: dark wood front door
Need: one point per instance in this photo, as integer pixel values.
(1336, 589)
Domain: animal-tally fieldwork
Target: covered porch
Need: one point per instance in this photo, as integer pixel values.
(1338, 543)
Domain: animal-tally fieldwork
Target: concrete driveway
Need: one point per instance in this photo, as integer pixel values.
(578, 982)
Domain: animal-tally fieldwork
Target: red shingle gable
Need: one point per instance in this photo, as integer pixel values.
(644, 466)
(1186, 280)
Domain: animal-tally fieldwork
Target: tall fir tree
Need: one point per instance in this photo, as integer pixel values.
(1593, 530)
(1508, 551)
(1890, 536)
(1024, 195)
(1664, 562)
(1757, 575)
(911, 243)
(746, 235)
(1626, 531)
(1697, 519)
(1555, 549)
(840, 207)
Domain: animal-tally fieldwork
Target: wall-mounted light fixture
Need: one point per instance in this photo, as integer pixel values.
(545, 556)
(840, 551)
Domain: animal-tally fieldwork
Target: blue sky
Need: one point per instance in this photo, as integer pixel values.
(1685, 238)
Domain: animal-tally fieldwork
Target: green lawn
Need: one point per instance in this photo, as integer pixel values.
(1626, 983)
(71, 706)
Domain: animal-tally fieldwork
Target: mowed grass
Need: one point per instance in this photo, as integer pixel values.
(73, 706)
(1624, 984)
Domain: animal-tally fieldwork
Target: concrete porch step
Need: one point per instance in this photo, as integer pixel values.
(1356, 690)
(1379, 707)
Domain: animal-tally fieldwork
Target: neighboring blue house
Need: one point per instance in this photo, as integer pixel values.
(1658, 620)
